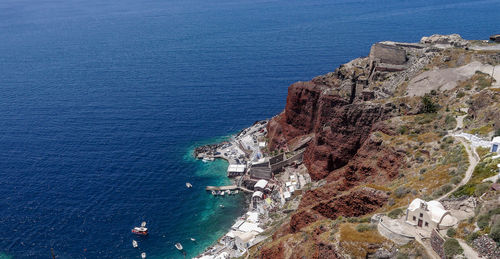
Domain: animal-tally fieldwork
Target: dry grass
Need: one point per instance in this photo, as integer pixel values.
(483, 131)
(463, 229)
(359, 244)
(482, 151)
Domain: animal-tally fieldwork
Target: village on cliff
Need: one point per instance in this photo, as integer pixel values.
(275, 162)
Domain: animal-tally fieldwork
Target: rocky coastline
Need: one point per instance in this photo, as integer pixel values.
(365, 139)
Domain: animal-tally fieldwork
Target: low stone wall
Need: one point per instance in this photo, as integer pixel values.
(398, 238)
(277, 158)
(295, 158)
(437, 243)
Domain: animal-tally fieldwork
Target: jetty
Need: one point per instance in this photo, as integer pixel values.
(226, 188)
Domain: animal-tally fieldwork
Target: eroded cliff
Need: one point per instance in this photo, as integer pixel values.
(369, 127)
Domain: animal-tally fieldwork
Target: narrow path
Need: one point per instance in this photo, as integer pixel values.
(471, 153)
(468, 251)
(428, 250)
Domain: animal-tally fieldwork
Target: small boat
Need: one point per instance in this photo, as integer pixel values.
(236, 192)
(222, 206)
(214, 193)
(192, 239)
(178, 246)
(218, 193)
(143, 255)
(142, 230)
(222, 193)
(208, 159)
(189, 185)
(134, 244)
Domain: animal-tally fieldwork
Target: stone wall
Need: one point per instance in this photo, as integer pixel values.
(398, 238)
(295, 158)
(437, 243)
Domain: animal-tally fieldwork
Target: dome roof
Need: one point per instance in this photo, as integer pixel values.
(436, 204)
(448, 221)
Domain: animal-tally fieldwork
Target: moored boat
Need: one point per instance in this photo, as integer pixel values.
(178, 246)
(142, 230)
(214, 193)
(208, 159)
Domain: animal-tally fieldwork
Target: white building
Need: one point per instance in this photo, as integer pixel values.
(495, 145)
(257, 197)
(242, 241)
(260, 185)
(236, 170)
(429, 215)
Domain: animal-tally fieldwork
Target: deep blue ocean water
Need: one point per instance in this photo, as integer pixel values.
(102, 102)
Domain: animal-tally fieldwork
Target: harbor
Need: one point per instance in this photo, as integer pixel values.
(272, 182)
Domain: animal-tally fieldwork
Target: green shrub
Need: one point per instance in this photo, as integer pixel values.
(443, 190)
(481, 188)
(452, 247)
(451, 232)
(395, 213)
(456, 180)
(352, 220)
(403, 130)
(428, 105)
(450, 121)
(364, 227)
(495, 232)
(471, 237)
(483, 221)
(401, 192)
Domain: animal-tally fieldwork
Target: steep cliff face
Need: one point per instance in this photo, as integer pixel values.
(339, 127)
(368, 132)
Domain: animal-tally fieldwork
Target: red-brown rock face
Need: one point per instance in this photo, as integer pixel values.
(343, 152)
(340, 128)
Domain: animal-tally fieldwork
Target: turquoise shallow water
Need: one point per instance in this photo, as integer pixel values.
(102, 102)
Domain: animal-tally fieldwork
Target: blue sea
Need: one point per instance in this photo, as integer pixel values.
(102, 103)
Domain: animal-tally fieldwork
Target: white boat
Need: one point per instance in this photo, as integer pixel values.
(208, 159)
(134, 244)
(178, 246)
(222, 206)
(189, 185)
(222, 193)
(236, 192)
(143, 255)
(214, 193)
(142, 230)
(192, 239)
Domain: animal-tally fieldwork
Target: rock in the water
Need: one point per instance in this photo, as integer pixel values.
(495, 37)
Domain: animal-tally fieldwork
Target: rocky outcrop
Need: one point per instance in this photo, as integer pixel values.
(356, 203)
(495, 37)
(389, 54)
(452, 40)
(486, 247)
(346, 120)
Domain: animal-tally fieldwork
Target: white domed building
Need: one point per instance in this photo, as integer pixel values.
(429, 215)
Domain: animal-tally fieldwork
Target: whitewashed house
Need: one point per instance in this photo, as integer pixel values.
(429, 215)
(495, 145)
